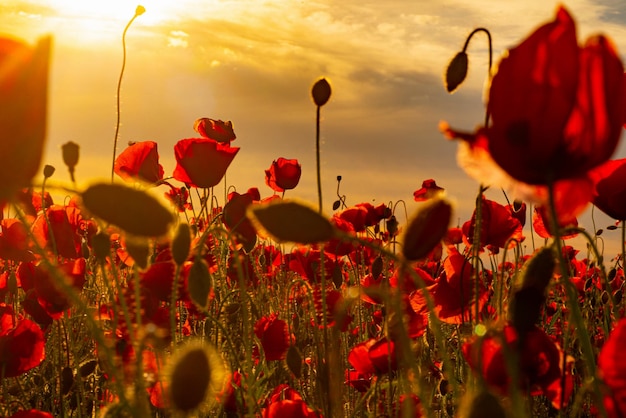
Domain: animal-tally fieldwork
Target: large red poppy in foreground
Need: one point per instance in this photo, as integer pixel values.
(556, 108)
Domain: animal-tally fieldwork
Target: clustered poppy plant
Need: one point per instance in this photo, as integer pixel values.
(157, 295)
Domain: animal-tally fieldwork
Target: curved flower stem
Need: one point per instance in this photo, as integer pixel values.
(119, 88)
(317, 157)
(572, 297)
(486, 31)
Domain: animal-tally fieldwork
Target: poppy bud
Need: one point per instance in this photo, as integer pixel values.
(197, 375)
(48, 171)
(426, 229)
(70, 151)
(456, 72)
(139, 250)
(294, 361)
(140, 10)
(321, 92)
(392, 225)
(336, 204)
(181, 244)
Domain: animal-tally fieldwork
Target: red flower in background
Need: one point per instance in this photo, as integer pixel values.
(498, 225)
(22, 347)
(32, 413)
(374, 356)
(556, 108)
(428, 190)
(454, 292)
(23, 103)
(612, 369)
(140, 161)
(609, 182)
(363, 215)
(216, 130)
(235, 219)
(541, 223)
(283, 174)
(202, 162)
(286, 402)
(538, 361)
(14, 241)
(274, 336)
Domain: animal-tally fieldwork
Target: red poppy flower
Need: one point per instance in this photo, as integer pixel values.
(363, 215)
(235, 219)
(55, 232)
(283, 174)
(612, 369)
(333, 309)
(216, 130)
(202, 162)
(541, 223)
(497, 226)
(374, 356)
(21, 347)
(538, 360)
(609, 181)
(14, 241)
(286, 402)
(23, 102)
(556, 108)
(274, 336)
(454, 292)
(140, 161)
(429, 190)
(179, 196)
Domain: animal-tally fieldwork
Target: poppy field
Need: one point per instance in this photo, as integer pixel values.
(174, 294)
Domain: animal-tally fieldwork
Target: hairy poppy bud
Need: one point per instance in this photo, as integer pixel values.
(197, 374)
(181, 244)
(456, 72)
(426, 229)
(321, 92)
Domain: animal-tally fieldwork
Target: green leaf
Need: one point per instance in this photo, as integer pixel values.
(199, 283)
(134, 211)
(289, 221)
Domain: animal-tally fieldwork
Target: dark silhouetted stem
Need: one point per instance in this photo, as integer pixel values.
(119, 87)
(486, 31)
(317, 155)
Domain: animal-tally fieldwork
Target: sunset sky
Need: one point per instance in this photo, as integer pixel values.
(253, 62)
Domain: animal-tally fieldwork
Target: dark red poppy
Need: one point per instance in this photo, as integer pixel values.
(139, 161)
(609, 182)
(428, 190)
(307, 262)
(23, 102)
(538, 360)
(55, 232)
(217, 130)
(542, 226)
(612, 369)
(374, 356)
(286, 402)
(283, 174)
(274, 335)
(235, 219)
(556, 108)
(498, 226)
(202, 162)
(363, 215)
(14, 241)
(333, 309)
(454, 292)
(21, 347)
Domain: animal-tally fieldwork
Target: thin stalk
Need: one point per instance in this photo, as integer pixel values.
(317, 155)
(138, 12)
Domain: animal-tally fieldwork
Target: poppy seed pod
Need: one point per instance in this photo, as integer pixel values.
(70, 151)
(140, 10)
(48, 171)
(456, 72)
(321, 92)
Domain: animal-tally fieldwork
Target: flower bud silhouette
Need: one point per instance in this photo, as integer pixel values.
(321, 92)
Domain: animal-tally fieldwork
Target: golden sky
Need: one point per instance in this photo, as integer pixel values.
(253, 62)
